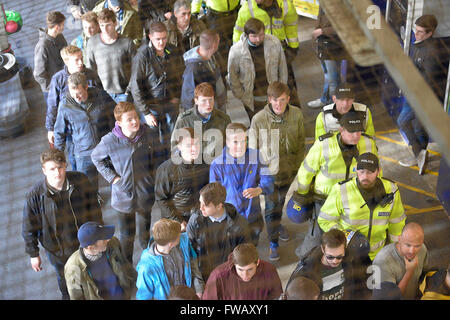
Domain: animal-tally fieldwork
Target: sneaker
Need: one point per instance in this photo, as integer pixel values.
(274, 256)
(408, 162)
(283, 235)
(421, 160)
(316, 103)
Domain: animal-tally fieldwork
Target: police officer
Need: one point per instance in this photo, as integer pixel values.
(366, 203)
(343, 102)
(331, 159)
(220, 16)
(280, 19)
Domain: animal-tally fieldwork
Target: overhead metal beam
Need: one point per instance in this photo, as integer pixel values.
(351, 17)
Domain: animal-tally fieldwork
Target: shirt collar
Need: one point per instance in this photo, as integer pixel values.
(223, 217)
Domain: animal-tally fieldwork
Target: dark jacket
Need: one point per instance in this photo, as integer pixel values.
(191, 35)
(211, 254)
(40, 213)
(135, 163)
(58, 90)
(154, 10)
(329, 45)
(431, 59)
(86, 126)
(218, 120)
(177, 188)
(47, 58)
(309, 267)
(198, 71)
(82, 286)
(155, 80)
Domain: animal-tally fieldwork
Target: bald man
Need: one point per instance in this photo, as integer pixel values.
(403, 262)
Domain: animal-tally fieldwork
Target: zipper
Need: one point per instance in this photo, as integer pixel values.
(71, 209)
(370, 226)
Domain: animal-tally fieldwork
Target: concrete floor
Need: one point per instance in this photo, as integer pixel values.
(20, 168)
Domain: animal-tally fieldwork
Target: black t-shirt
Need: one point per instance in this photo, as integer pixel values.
(333, 283)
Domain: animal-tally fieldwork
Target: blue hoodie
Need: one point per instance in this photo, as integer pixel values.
(236, 175)
(196, 72)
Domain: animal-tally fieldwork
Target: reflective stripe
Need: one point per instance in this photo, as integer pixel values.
(277, 27)
(307, 167)
(345, 204)
(326, 156)
(334, 176)
(292, 39)
(302, 189)
(286, 8)
(377, 245)
(239, 28)
(393, 238)
(291, 24)
(250, 8)
(327, 217)
(398, 220)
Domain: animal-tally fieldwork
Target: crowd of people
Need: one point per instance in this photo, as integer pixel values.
(139, 100)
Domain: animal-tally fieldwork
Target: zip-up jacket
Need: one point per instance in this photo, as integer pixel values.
(47, 58)
(326, 163)
(81, 285)
(40, 213)
(177, 188)
(88, 125)
(155, 80)
(345, 208)
(239, 174)
(59, 89)
(280, 20)
(328, 119)
(174, 36)
(135, 163)
(241, 67)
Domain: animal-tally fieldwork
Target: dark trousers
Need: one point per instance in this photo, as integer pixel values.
(58, 263)
(84, 164)
(273, 212)
(127, 231)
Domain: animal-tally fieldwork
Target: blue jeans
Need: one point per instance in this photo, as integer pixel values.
(84, 164)
(415, 133)
(331, 79)
(70, 152)
(119, 97)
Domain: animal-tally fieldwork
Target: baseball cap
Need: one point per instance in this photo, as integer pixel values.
(344, 91)
(352, 121)
(367, 161)
(90, 232)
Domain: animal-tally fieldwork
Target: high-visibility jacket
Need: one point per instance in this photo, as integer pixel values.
(325, 162)
(284, 27)
(224, 6)
(345, 208)
(327, 122)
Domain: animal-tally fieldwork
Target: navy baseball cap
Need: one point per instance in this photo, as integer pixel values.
(352, 121)
(344, 91)
(90, 232)
(368, 161)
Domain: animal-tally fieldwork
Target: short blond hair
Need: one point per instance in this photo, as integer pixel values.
(68, 51)
(166, 231)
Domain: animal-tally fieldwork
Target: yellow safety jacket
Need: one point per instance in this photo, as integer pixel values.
(325, 162)
(345, 208)
(284, 28)
(326, 122)
(224, 6)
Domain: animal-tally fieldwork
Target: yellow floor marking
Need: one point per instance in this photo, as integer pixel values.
(424, 210)
(432, 195)
(403, 144)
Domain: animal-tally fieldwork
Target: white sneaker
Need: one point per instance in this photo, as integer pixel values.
(421, 159)
(316, 103)
(408, 162)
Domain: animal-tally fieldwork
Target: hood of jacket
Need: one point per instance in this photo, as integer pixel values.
(192, 55)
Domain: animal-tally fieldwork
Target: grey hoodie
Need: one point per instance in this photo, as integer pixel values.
(47, 58)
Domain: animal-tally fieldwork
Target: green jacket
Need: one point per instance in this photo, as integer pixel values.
(192, 119)
(196, 27)
(284, 26)
(281, 141)
(80, 284)
(344, 209)
(131, 23)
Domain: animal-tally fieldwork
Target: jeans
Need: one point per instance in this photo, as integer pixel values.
(273, 211)
(127, 231)
(58, 263)
(119, 97)
(70, 152)
(331, 79)
(415, 133)
(84, 164)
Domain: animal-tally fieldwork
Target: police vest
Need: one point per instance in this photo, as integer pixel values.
(325, 162)
(345, 208)
(326, 122)
(283, 27)
(224, 6)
